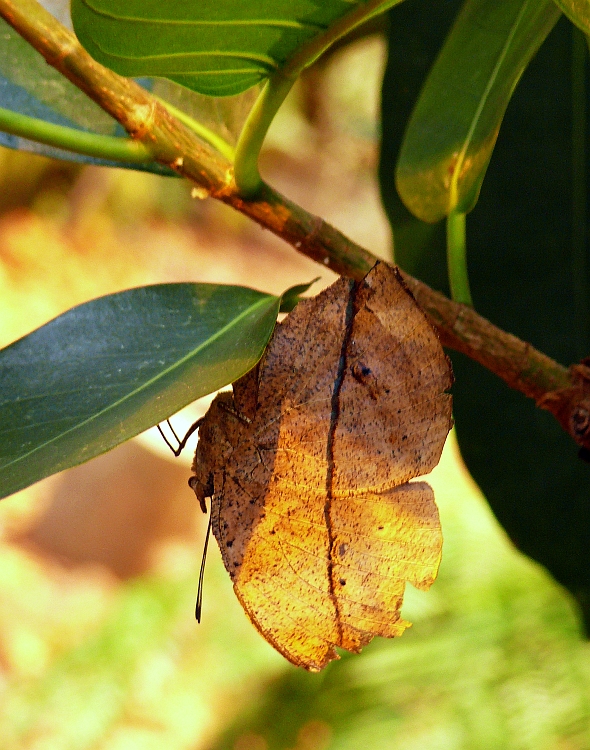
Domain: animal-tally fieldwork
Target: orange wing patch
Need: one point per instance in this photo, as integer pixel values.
(308, 467)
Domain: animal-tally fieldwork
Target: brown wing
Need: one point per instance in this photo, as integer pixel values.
(307, 592)
(314, 527)
(394, 414)
(274, 484)
(380, 541)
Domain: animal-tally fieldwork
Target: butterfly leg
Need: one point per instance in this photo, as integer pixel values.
(181, 443)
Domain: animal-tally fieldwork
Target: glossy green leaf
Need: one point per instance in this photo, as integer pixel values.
(577, 11)
(108, 369)
(292, 296)
(217, 48)
(30, 87)
(529, 263)
(453, 129)
(416, 34)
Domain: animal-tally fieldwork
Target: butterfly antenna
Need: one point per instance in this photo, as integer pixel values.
(181, 443)
(199, 607)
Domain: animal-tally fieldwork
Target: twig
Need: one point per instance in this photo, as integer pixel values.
(566, 393)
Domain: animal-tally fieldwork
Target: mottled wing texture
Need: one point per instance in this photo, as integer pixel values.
(394, 414)
(317, 523)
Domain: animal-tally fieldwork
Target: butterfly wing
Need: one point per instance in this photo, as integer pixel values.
(394, 412)
(268, 516)
(317, 524)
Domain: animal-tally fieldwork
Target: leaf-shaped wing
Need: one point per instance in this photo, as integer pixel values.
(393, 412)
(318, 526)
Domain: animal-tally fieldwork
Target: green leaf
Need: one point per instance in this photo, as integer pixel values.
(415, 36)
(216, 48)
(577, 11)
(292, 296)
(30, 87)
(453, 129)
(529, 264)
(108, 369)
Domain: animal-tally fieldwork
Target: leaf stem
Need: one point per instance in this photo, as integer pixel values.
(457, 258)
(78, 141)
(246, 174)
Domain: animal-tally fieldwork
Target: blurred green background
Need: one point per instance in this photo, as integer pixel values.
(99, 649)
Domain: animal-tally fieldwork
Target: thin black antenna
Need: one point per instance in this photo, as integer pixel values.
(199, 606)
(181, 443)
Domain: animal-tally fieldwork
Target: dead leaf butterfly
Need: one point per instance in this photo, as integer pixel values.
(308, 466)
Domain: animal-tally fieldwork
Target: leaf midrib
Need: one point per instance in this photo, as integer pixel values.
(254, 57)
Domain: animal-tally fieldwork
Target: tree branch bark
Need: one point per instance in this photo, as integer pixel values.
(565, 393)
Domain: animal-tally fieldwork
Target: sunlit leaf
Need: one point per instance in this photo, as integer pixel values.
(217, 48)
(110, 368)
(522, 261)
(453, 129)
(31, 87)
(577, 11)
(416, 34)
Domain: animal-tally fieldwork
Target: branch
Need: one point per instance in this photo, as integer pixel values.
(565, 393)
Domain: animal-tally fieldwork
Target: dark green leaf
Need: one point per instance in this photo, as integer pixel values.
(416, 34)
(453, 129)
(109, 369)
(292, 296)
(577, 11)
(217, 48)
(527, 250)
